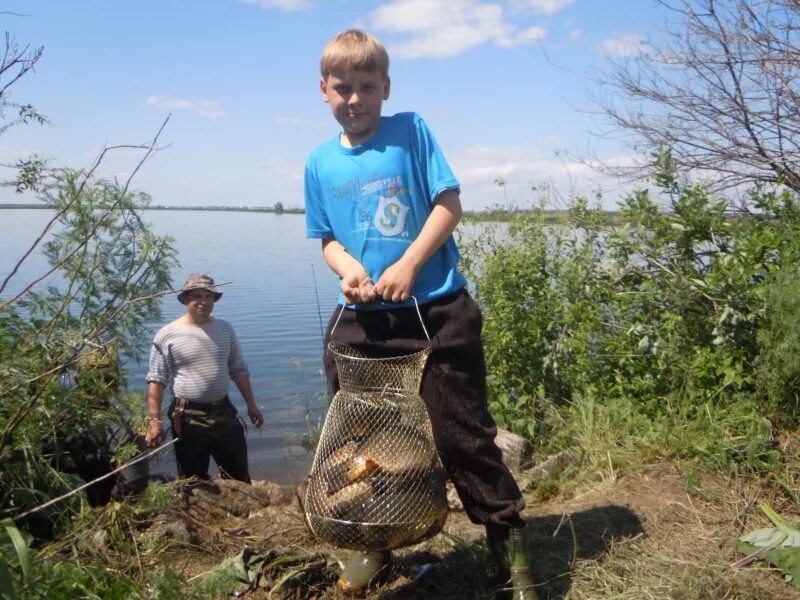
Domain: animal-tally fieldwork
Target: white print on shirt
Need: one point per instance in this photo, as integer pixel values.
(390, 216)
(392, 185)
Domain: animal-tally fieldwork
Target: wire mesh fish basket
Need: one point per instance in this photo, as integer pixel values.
(376, 482)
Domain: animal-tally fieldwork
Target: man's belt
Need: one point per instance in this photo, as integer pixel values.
(182, 404)
(194, 405)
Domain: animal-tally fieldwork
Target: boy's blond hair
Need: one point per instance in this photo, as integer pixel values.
(354, 50)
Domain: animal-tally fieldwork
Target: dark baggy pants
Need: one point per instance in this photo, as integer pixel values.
(90, 454)
(133, 479)
(454, 390)
(210, 429)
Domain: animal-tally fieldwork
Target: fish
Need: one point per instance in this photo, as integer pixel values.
(343, 467)
(341, 454)
(398, 464)
(380, 490)
(395, 450)
(368, 518)
(391, 451)
(365, 412)
(349, 472)
(344, 502)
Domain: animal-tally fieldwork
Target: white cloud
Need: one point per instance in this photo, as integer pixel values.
(285, 5)
(204, 108)
(444, 28)
(626, 44)
(468, 24)
(282, 167)
(530, 35)
(528, 177)
(574, 35)
(485, 163)
(542, 7)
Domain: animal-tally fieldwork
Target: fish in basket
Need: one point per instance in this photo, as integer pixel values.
(376, 482)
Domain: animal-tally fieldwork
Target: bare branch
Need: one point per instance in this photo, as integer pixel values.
(150, 149)
(721, 90)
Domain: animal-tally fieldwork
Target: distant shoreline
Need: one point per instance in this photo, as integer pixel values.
(550, 216)
(270, 209)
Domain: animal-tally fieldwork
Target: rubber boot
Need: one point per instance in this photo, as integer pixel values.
(509, 551)
(362, 570)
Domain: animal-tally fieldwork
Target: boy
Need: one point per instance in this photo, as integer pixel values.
(385, 203)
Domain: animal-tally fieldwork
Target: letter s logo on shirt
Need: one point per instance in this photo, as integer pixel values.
(390, 217)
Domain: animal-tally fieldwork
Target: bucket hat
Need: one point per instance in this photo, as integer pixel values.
(198, 281)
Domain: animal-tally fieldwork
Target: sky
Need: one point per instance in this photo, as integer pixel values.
(509, 89)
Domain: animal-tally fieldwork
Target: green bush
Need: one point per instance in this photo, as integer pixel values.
(673, 307)
(112, 271)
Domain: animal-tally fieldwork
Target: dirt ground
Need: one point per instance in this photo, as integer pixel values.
(637, 537)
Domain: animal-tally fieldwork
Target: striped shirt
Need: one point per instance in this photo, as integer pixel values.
(196, 362)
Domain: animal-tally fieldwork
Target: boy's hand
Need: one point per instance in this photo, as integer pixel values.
(358, 288)
(396, 282)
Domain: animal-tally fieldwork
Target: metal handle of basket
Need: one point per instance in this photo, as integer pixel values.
(416, 305)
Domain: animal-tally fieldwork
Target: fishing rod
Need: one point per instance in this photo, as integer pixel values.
(319, 308)
(139, 458)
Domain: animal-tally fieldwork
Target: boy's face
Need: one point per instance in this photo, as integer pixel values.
(356, 98)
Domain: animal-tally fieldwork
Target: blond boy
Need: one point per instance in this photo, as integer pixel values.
(384, 203)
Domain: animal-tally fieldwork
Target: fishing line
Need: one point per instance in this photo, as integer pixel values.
(319, 309)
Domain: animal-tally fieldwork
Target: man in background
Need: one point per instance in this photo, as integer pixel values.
(196, 356)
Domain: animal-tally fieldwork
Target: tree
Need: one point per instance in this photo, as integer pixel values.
(720, 91)
(501, 183)
(16, 62)
(113, 271)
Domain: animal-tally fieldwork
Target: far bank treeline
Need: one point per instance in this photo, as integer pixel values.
(489, 215)
(277, 208)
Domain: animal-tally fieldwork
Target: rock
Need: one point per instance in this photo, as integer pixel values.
(99, 540)
(228, 495)
(167, 527)
(453, 500)
(552, 465)
(515, 448)
(278, 495)
(96, 543)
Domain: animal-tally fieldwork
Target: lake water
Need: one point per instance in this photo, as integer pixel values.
(281, 296)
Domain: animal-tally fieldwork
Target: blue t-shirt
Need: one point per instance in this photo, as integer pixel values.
(375, 198)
